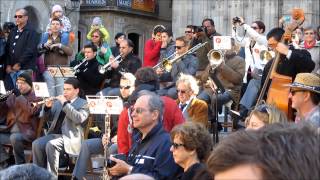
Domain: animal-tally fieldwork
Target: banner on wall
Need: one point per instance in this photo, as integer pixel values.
(144, 5)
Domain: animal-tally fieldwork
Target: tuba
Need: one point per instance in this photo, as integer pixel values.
(215, 57)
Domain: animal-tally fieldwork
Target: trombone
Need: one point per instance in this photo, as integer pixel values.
(167, 64)
(106, 67)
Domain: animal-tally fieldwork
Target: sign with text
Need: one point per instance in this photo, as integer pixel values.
(124, 3)
(221, 42)
(144, 5)
(105, 104)
(41, 89)
(96, 2)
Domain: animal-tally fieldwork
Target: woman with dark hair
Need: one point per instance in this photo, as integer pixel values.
(104, 51)
(191, 145)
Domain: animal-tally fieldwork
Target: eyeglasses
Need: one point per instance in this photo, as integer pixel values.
(18, 16)
(308, 33)
(181, 91)
(125, 87)
(179, 47)
(293, 92)
(254, 27)
(188, 32)
(138, 110)
(176, 145)
(95, 36)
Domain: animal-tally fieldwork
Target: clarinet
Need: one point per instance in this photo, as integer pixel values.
(107, 130)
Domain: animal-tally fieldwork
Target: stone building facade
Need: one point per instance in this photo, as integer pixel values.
(186, 12)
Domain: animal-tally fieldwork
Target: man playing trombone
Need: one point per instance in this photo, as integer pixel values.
(186, 64)
(67, 113)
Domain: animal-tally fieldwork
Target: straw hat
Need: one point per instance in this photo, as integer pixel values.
(306, 81)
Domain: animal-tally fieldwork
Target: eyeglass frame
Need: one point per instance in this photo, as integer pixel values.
(177, 145)
(19, 16)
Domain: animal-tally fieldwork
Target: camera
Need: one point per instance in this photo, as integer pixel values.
(111, 163)
(236, 20)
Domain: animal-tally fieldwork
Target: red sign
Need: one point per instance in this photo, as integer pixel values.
(144, 5)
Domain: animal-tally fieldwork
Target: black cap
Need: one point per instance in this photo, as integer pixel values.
(25, 76)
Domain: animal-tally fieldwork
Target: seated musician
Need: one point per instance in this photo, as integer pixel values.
(55, 54)
(68, 113)
(188, 64)
(150, 151)
(193, 109)
(230, 74)
(130, 63)
(94, 146)
(88, 73)
(21, 119)
(305, 97)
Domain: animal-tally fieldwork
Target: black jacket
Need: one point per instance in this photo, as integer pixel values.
(130, 63)
(25, 49)
(89, 77)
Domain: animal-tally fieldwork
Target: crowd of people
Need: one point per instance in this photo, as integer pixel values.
(170, 100)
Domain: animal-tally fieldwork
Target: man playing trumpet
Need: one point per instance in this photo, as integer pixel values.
(21, 120)
(67, 113)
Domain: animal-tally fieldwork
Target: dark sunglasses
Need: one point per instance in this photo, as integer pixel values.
(178, 47)
(253, 27)
(176, 145)
(293, 92)
(138, 110)
(18, 16)
(95, 36)
(125, 87)
(181, 91)
(188, 32)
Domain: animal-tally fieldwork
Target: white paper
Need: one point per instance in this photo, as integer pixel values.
(61, 71)
(41, 89)
(222, 42)
(105, 104)
(2, 88)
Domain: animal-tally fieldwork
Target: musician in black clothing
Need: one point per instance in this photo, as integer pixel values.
(292, 61)
(130, 63)
(88, 74)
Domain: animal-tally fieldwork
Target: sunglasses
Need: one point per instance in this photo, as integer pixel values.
(95, 36)
(18, 16)
(138, 110)
(188, 32)
(181, 91)
(293, 92)
(254, 27)
(176, 145)
(125, 87)
(178, 47)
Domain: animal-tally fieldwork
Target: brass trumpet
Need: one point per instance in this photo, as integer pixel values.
(76, 68)
(106, 67)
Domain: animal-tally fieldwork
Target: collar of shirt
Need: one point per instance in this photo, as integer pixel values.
(187, 103)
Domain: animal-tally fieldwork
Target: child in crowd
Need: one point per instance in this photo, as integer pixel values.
(97, 24)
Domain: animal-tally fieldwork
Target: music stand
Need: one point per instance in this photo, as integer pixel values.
(61, 71)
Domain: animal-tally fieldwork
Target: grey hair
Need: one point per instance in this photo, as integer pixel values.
(310, 27)
(130, 77)
(26, 172)
(189, 81)
(25, 12)
(154, 101)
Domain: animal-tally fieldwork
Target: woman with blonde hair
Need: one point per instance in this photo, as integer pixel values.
(264, 114)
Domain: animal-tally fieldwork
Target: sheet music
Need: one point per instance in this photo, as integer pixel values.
(105, 104)
(222, 42)
(61, 71)
(41, 89)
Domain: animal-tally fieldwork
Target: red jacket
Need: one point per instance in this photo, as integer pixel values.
(172, 117)
(151, 53)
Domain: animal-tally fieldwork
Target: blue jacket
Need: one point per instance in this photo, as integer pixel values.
(152, 155)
